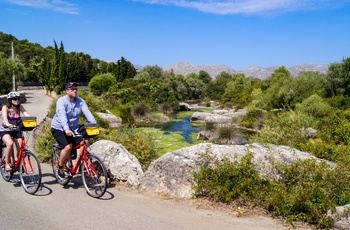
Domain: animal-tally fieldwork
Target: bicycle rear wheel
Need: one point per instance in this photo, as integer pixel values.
(30, 173)
(94, 176)
(55, 158)
(7, 176)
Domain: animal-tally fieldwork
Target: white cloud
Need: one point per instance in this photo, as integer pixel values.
(250, 6)
(56, 5)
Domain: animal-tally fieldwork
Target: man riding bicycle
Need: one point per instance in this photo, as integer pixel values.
(65, 123)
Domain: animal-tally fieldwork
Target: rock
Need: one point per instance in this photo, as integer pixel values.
(221, 116)
(341, 217)
(112, 120)
(185, 106)
(309, 132)
(123, 165)
(171, 174)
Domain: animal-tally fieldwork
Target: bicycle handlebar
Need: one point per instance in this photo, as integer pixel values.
(6, 128)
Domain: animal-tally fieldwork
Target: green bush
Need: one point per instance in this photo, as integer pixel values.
(138, 143)
(226, 181)
(101, 83)
(255, 118)
(314, 106)
(284, 128)
(44, 143)
(141, 110)
(226, 133)
(210, 126)
(306, 191)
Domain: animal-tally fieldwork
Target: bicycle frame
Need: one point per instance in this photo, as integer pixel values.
(20, 156)
(82, 158)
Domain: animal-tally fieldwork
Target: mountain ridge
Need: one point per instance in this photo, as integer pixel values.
(185, 68)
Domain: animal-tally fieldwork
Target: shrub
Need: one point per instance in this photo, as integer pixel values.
(226, 132)
(138, 143)
(44, 143)
(255, 118)
(165, 108)
(314, 106)
(101, 83)
(284, 128)
(307, 190)
(141, 110)
(210, 126)
(226, 181)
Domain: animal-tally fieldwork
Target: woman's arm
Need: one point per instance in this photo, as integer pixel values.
(24, 111)
(4, 116)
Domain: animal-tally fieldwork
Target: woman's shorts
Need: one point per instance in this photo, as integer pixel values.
(13, 134)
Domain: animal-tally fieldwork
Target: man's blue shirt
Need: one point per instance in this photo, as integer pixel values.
(68, 114)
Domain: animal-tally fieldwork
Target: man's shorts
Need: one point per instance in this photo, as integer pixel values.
(63, 140)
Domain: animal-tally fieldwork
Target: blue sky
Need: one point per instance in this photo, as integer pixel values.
(236, 33)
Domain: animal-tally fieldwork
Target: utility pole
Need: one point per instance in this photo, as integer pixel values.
(13, 72)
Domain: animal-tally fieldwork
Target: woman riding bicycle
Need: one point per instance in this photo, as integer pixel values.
(66, 121)
(11, 114)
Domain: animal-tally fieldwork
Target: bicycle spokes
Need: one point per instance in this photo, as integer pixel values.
(30, 173)
(94, 176)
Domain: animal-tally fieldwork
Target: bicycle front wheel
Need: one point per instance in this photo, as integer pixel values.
(94, 176)
(30, 173)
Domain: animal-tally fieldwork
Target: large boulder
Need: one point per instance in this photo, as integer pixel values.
(123, 165)
(171, 174)
(221, 116)
(111, 119)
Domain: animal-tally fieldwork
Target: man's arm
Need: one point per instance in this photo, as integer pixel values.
(88, 115)
(61, 114)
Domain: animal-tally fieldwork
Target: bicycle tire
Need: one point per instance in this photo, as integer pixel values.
(95, 177)
(55, 158)
(30, 173)
(7, 176)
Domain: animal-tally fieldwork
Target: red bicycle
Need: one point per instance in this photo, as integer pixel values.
(94, 173)
(27, 163)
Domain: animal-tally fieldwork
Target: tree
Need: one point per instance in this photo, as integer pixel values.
(62, 69)
(8, 67)
(155, 72)
(55, 70)
(204, 76)
(216, 88)
(303, 86)
(238, 91)
(124, 70)
(194, 85)
(336, 84)
(274, 97)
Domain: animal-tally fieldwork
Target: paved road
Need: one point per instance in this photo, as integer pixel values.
(56, 207)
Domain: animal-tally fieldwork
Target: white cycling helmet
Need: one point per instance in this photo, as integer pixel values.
(13, 95)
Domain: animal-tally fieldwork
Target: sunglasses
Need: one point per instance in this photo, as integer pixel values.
(15, 99)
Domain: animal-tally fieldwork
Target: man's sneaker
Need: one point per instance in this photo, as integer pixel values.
(62, 170)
